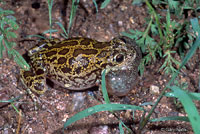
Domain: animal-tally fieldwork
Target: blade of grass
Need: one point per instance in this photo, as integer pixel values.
(39, 36)
(103, 86)
(176, 118)
(189, 107)
(98, 108)
(50, 31)
(50, 5)
(72, 14)
(121, 128)
(95, 4)
(104, 4)
(2, 48)
(62, 27)
(193, 96)
(11, 100)
(20, 60)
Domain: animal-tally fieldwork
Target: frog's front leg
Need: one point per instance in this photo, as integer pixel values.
(35, 81)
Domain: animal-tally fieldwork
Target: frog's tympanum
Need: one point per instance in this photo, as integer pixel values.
(77, 63)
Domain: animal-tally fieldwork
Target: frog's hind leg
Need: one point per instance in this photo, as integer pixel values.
(34, 82)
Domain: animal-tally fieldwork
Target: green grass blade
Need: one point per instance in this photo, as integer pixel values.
(62, 27)
(72, 14)
(195, 25)
(189, 107)
(95, 4)
(192, 50)
(121, 128)
(11, 100)
(38, 36)
(50, 31)
(98, 108)
(193, 96)
(188, 56)
(176, 118)
(20, 60)
(2, 48)
(103, 86)
(104, 4)
(50, 5)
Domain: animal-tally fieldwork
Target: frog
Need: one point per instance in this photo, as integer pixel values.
(77, 63)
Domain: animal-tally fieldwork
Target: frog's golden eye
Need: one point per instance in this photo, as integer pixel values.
(119, 58)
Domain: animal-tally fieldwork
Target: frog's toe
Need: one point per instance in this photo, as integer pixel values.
(39, 86)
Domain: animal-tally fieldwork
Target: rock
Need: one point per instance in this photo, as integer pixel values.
(154, 89)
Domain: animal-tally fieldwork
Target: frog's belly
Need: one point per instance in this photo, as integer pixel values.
(74, 83)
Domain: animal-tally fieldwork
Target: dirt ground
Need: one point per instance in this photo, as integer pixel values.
(59, 104)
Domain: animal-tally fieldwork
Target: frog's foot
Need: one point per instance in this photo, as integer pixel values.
(36, 99)
(33, 82)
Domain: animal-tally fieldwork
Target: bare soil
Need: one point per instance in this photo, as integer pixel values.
(59, 104)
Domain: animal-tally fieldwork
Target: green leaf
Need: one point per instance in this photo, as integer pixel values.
(191, 52)
(8, 45)
(168, 18)
(2, 48)
(189, 107)
(195, 26)
(193, 96)
(62, 27)
(121, 128)
(98, 108)
(50, 31)
(11, 22)
(127, 35)
(103, 86)
(6, 12)
(11, 35)
(104, 4)
(39, 36)
(137, 2)
(11, 100)
(176, 118)
(173, 4)
(72, 13)
(95, 4)
(154, 29)
(20, 60)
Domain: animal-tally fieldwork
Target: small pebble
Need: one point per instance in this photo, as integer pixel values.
(99, 130)
(154, 89)
(78, 101)
(120, 23)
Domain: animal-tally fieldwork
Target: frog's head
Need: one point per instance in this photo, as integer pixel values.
(126, 54)
(121, 78)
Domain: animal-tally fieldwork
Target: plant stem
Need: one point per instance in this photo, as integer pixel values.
(157, 20)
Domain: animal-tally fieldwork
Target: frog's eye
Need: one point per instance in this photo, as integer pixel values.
(119, 58)
(123, 40)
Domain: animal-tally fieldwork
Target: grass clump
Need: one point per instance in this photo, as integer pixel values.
(8, 25)
(164, 36)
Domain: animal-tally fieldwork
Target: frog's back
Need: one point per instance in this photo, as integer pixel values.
(73, 60)
(77, 63)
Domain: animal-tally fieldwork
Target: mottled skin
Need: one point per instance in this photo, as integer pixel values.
(77, 63)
